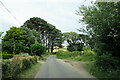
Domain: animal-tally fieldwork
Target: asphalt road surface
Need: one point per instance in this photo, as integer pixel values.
(55, 68)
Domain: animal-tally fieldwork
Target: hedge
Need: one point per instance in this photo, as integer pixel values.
(7, 56)
(14, 66)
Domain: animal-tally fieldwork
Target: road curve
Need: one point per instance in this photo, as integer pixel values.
(54, 68)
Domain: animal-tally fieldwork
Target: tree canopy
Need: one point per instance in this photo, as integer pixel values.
(49, 35)
(103, 26)
(12, 38)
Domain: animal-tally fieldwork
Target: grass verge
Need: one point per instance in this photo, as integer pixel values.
(30, 72)
(45, 56)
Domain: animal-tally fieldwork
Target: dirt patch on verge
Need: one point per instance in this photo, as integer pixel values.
(78, 65)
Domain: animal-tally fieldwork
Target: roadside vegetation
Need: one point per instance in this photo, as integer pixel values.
(45, 56)
(12, 67)
(30, 72)
(89, 58)
(24, 47)
(87, 55)
(102, 19)
(98, 44)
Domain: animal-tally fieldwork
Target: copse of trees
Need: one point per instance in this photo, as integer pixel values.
(75, 41)
(18, 40)
(103, 26)
(49, 35)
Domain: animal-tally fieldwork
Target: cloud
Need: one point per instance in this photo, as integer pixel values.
(60, 13)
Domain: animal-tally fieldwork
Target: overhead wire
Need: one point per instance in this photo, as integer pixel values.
(10, 12)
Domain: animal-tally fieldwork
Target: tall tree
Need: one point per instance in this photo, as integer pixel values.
(12, 38)
(39, 25)
(49, 35)
(74, 40)
(103, 25)
(30, 37)
(71, 37)
(54, 37)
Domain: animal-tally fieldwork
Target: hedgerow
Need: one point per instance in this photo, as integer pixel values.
(14, 66)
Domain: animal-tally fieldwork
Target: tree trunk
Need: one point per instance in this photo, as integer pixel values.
(14, 49)
(52, 48)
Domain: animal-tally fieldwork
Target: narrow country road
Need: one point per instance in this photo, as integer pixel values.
(54, 68)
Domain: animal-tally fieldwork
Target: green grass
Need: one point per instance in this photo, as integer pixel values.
(75, 56)
(45, 56)
(30, 72)
(81, 58)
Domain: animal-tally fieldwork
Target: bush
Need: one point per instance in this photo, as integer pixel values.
(6, 68)
(106, 62)
(101, 74)
(88, 51)
(6, 56)
(38, 49)
(12, 67)
(75, 53)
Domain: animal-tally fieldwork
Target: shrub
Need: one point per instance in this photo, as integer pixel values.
(12, 67)
(88, 52)
(38, 49)
(102, 74)
(75, 53)
(6, 68)
(106, 62)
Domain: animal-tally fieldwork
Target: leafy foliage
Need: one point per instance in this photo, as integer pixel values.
(103, 27)
(30, 37)
(13, 38)
(38, 49)
(6, 56)
(75, 47)
(49, 35)
(71, 37)
(74, 40)
(103, 74)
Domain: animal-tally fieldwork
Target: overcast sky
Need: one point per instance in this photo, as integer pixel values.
(60, 13)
